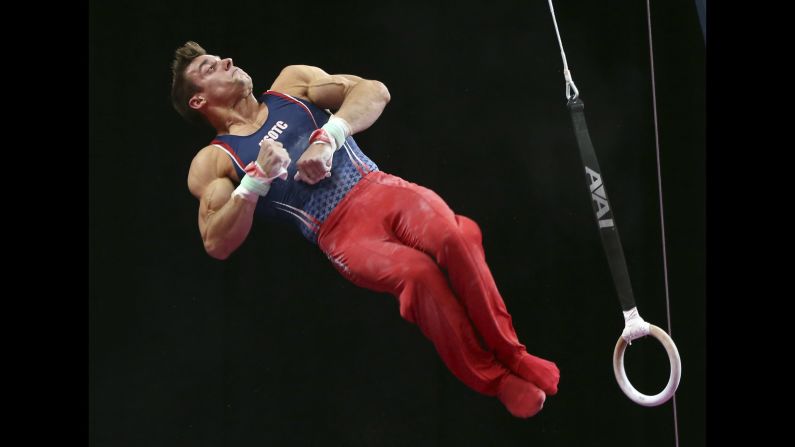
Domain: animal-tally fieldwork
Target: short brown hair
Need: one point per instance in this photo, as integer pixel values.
(182, 88)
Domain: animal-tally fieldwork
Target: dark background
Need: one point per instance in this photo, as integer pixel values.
(273, 347)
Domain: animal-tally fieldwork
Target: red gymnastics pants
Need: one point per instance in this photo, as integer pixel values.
(390, 235)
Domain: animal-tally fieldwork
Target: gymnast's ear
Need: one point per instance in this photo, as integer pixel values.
(196, 102)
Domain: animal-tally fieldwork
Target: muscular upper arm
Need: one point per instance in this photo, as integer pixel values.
(314, 84)
(208, 182)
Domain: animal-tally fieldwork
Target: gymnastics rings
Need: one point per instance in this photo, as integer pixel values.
(673, 381)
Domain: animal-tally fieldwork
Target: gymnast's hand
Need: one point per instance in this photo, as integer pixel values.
(315, 163)
(273, 159)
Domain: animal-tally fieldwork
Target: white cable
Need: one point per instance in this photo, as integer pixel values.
(662, 214)
(566, 73)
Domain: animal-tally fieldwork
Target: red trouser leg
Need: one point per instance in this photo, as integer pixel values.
(425, 299)
(456, 243)
(392, 236)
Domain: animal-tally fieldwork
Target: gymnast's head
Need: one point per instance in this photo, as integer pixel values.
(203, 84)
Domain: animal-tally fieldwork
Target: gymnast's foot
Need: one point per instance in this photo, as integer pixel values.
(543, 373)
(521, 398)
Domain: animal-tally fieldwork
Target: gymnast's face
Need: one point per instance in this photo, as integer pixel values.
(219, 81)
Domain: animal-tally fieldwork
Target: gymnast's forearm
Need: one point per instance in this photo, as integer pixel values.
(227, 228)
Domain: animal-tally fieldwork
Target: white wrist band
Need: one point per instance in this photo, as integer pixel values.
(337, 128)
(251, 188)
(249, 195)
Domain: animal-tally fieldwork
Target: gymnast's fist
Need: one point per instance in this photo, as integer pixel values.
(273, 158)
